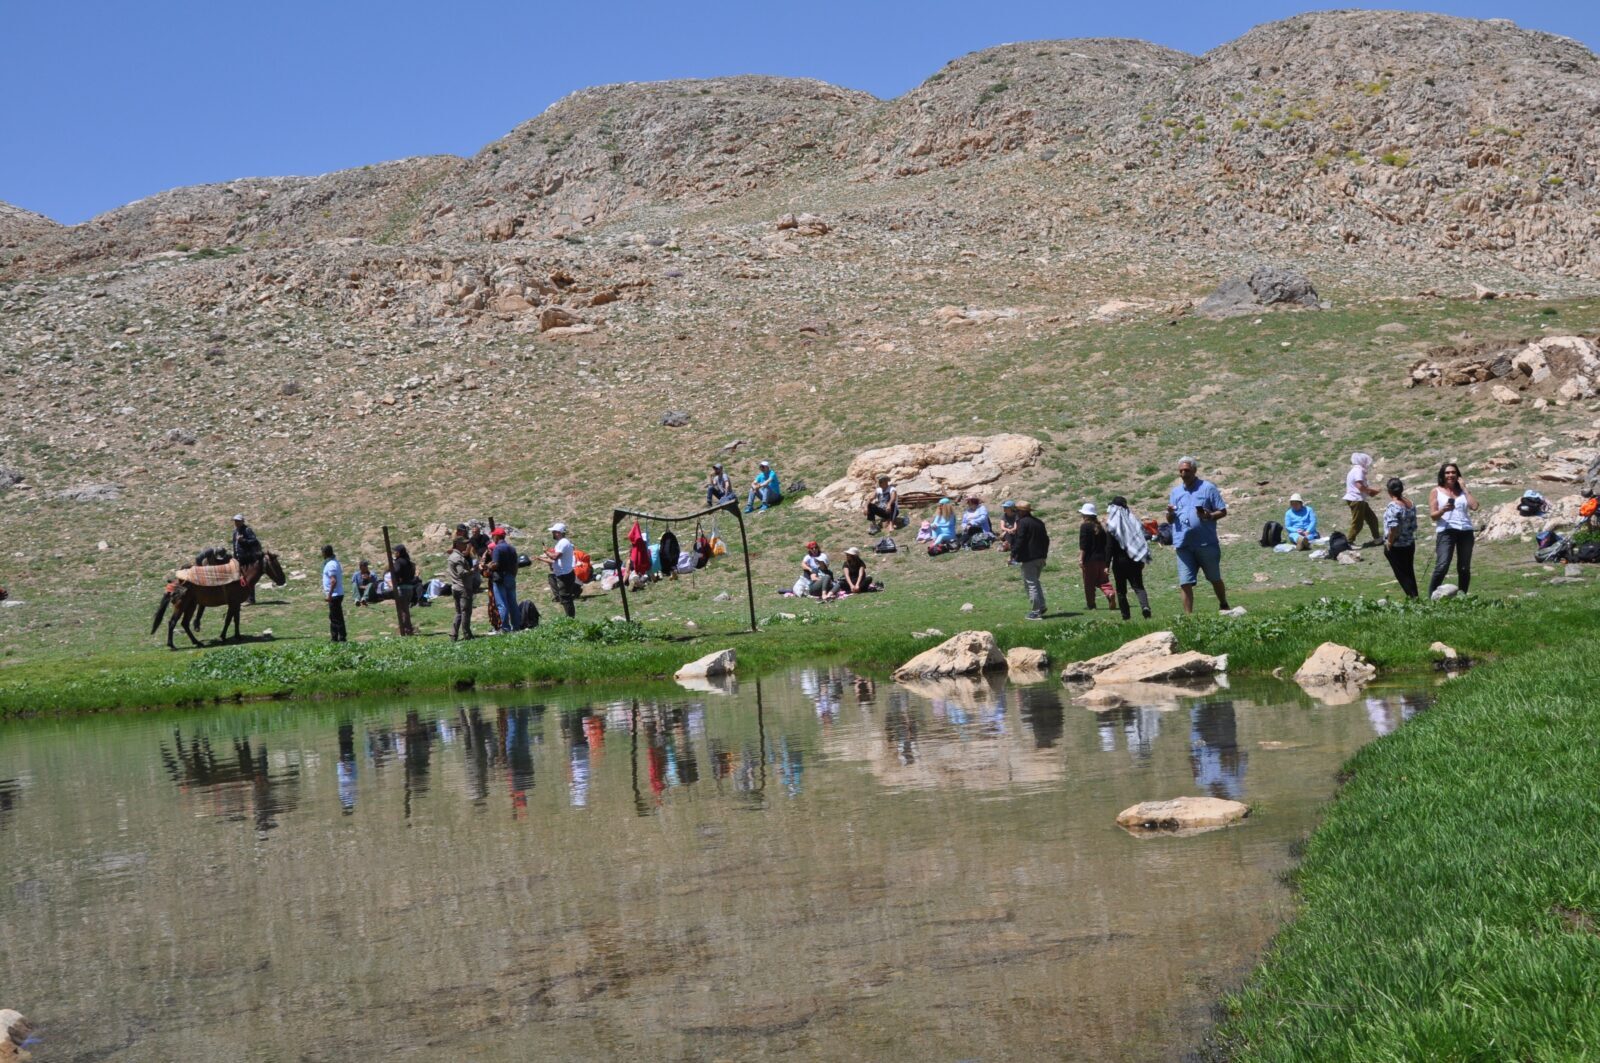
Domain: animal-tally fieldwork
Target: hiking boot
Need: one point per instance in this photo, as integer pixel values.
(1034, 616)
(749, 509)
(1146, 613)
(763, 509)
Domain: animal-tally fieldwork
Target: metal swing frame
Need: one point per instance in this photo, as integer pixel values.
(732, 506)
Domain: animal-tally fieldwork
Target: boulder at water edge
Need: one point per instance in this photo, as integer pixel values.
(969, 653)
(1155, 644)
(712, 664)
(14, 1030)
(1024, 659)
(1333, 663)
(1182, 815)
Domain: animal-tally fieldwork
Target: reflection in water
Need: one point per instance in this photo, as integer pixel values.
(236, 788)
(1214, 749)
(10, 796)
(1388, 712)
(1139, 727)
(347, 767)
(1041, 709)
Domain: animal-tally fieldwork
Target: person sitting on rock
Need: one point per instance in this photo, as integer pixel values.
(1300, 523)
(944, 527)
(764, 489)
(854, 580)
(883, 505)
(975, 522)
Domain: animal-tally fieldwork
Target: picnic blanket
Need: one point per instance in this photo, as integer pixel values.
(212, 575)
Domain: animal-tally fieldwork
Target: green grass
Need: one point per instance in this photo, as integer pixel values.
(1451, 899)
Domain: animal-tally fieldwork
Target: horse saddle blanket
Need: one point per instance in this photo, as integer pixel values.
(211, 575)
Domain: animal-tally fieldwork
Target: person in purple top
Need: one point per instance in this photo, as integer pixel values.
(1193, 509)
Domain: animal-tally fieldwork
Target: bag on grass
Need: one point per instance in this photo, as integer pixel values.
(1531, 504)
(582, 566)
(1164, 534)
(885, 546)
(530, 614)
(935, 549)
(1587, 554)
(979, 542)
(1337, 544)
(1553, 548)
(1271, 533)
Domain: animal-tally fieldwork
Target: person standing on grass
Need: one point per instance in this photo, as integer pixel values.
(563, 579)
(460, 575)
(1356, 493)
(403, 581)
(1030, 547)
(1400, 536)
(333, 594)
(1130, 549)
(503, 576)
(1451, 505)
(1193, 509)
(1094, 556)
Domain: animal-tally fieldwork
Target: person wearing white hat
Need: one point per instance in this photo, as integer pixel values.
(1300, 523)
(1094, 557)
(563, 579)
(854, 579)
(764, 488)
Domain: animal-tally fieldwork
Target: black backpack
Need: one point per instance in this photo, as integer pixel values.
(1271, 533)
(1531, 505)
(1337, 544)
(530, 615)
(1164, 534)
(669, 552)
(1588, 553)
(885, 546)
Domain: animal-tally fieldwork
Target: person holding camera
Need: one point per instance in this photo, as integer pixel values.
(1193, 509)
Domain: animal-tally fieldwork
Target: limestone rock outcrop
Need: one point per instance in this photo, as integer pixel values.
(1024, 659)
(956, 466)
(1153, 658)
(968, 653)
(722, 662)
(1331, 663)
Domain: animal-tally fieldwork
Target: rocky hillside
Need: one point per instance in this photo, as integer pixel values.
(793, 268)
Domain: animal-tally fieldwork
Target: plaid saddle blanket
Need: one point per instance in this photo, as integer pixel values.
(211, 575)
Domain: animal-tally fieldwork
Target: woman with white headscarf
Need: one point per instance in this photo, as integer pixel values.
(1356, 493)
(1130, 549)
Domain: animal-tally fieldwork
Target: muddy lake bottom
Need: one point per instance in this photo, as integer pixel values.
(818, 865)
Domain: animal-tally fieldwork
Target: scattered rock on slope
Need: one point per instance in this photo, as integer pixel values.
(1267, 287)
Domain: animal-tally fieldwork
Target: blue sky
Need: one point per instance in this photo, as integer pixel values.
(106, 102)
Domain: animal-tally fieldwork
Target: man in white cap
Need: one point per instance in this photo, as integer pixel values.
(764, 489)
(1300, 523)
(563, 580)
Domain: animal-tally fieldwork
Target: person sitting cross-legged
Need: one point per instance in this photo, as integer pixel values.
(1300, 523)
(764, 490)
(974, 522)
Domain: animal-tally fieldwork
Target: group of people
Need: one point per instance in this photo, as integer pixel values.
(477, 555)
(765, 491)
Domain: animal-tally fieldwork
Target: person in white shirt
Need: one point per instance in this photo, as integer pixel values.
(815, 575)
(333, 594)
(1450, 505)
(1356, 493)
(563, 580)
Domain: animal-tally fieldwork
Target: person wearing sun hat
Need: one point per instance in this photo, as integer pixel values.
(854, 579)
(1300, 523)
(1094, 556)
(1030, 549)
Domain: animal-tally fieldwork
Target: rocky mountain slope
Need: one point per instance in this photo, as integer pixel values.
(771, 257)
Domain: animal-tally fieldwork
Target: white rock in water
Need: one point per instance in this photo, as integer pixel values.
(967, 653)
(1182, 814)
(721, 662)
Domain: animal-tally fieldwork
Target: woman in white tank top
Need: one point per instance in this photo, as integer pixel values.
(1451, 506)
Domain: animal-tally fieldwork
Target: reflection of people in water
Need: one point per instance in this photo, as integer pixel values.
(1388, 713)
(10, 796)
(1040, 707)
(900, 727)
(517, 725)
(419, 756)
(575, 729)
(347, 767)
(1214, 750)
(1140, 727)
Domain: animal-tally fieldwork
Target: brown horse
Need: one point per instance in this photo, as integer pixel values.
(186, 598)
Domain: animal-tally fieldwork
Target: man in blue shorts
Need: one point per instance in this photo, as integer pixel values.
(1193, 508)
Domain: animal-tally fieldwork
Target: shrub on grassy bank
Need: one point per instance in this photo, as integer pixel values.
(1451, 903)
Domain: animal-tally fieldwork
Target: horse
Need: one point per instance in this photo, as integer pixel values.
(186, 598)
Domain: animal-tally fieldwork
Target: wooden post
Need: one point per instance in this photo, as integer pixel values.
(388, 557)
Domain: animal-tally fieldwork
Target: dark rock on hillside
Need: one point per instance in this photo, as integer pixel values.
(1266, 287)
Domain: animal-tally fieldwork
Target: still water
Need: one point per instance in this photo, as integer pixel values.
(818, 866)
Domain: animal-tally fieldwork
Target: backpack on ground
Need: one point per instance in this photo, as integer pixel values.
(885, 546)
(1164, 534)
(935, 549)
(979, 542)
(1271, 533)
(582, 566)
(1337, 544)
(1587, 554)
(1590, 506)
(1531, 504)
(530, 615)
(1553, 548)
(1152, 529)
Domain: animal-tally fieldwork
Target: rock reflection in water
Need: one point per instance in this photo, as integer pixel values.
(815, 865)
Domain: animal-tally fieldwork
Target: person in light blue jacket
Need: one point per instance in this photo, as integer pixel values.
(1300, 523)
(944, 523)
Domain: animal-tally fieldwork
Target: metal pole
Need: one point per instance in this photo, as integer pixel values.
(749, 582)
(616, 556)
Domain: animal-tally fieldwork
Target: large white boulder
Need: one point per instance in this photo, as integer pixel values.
(1024, 659)
(1155, 644)
(956, 466)
(712, 664)
(1333, 663)
(1149, 659)
(969, 653)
